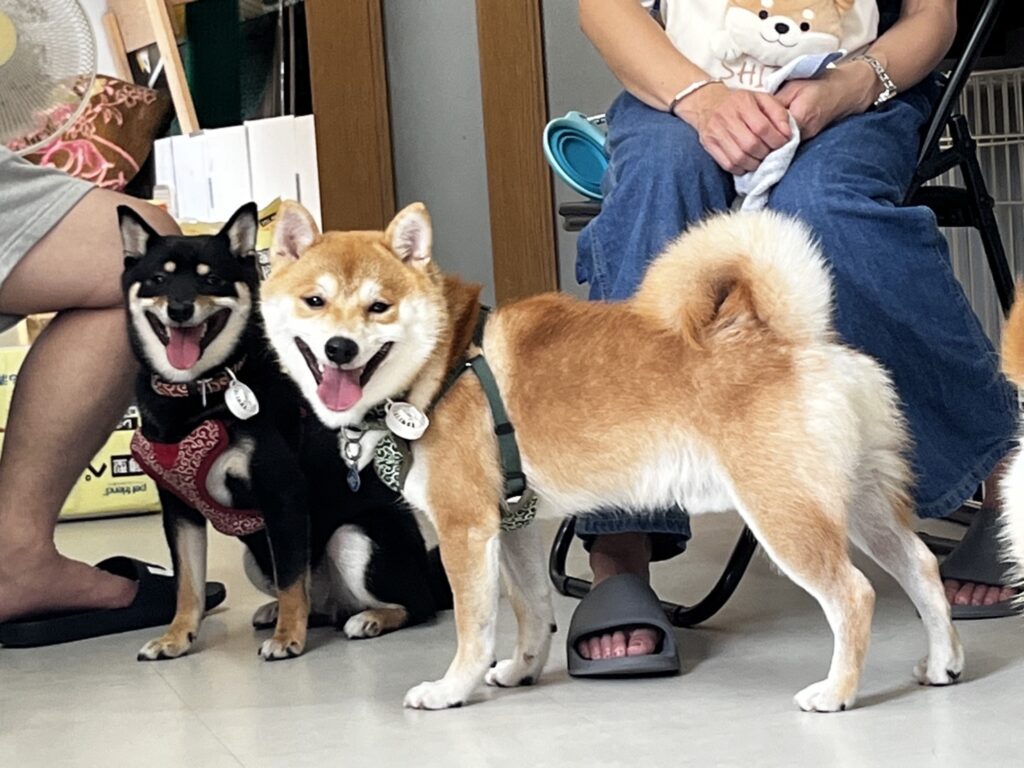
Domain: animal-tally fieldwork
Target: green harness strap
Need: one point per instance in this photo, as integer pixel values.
(511, 463)
(393, 457)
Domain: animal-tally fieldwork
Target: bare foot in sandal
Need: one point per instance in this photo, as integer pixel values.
(974, 573)
(611, 555)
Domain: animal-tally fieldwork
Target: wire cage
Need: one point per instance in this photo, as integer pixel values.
(993, 104)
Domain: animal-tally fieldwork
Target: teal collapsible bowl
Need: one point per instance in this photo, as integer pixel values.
(574, 148)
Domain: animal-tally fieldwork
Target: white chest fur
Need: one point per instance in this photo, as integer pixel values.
(235, 463)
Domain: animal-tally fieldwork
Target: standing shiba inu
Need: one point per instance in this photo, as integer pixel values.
(719, 386)
(223, 435)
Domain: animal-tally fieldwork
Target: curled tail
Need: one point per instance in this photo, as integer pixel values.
(756, 264)
(1012, 490)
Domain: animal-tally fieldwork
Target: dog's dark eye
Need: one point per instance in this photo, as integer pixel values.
(212, 281)
(805, 26)
(158, 279)
(314, 301)
(379, 307)
(763, 15)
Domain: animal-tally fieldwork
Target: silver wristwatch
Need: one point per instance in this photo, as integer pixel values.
(889, 87)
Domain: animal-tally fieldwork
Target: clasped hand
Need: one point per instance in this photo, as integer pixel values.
(738, 128)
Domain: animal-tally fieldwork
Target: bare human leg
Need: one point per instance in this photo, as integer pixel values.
(72, 388)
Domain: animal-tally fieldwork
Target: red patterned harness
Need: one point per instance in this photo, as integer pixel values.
(182, 468)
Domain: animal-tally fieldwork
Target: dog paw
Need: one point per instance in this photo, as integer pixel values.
(282, 647)
(945, 672)
(510, 673)
(823, 697)
(364, 624)
(436, 695)
(265, 616)
(944, 663)
(170, 646)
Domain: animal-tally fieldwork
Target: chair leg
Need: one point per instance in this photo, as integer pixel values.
(983, 211)
(679, 615)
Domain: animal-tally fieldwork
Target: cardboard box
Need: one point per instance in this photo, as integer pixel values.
(10, 361)
(15, 335)
(112, 483)
(26, 331)
(36, 324)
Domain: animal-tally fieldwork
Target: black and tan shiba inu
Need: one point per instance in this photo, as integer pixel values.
(225, 437)
(720, 385)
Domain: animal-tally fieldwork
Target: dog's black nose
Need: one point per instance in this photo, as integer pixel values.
(180, 311)
(340, 350)
(782, 28)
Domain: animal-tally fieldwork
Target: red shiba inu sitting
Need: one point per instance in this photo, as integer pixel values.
(719, 386)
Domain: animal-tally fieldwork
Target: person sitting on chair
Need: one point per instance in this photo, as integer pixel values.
(691, 117)
(60, 251)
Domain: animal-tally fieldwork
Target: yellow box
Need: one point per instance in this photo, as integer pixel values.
(112, 483)
(16, 334)
(10, 361)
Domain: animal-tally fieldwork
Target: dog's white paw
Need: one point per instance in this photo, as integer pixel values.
(944, 664)
(364, 624)
(281, 647)
(436, 695)
(510, 673)
(170, 646)
(823, 697)
(933, 671)
(265, 616)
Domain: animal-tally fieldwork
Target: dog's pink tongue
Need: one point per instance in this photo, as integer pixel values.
(339, 390)
(183, 346)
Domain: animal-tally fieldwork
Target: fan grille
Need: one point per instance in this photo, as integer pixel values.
(46, 82)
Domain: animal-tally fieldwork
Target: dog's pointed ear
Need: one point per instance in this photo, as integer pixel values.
(135, 234)
(294, 232)
(241, 230)
(409, 235)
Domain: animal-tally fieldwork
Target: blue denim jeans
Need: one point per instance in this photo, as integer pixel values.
(896, 297)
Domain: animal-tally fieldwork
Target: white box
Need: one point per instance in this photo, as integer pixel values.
(272, 159)
(192, 174)
(227, 155)
(306, 165)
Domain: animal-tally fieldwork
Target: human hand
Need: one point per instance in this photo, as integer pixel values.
(848, 89)
(737, 128)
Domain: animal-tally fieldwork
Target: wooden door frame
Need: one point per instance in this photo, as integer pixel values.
(513, 87)
(348, 74)
(348, 78)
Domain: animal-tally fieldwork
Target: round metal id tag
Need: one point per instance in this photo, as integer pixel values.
(405, 420)
(240, 399)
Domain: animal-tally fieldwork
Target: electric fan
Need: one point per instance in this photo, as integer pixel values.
(47, 69)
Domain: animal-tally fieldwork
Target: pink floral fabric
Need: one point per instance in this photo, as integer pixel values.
(110, 140)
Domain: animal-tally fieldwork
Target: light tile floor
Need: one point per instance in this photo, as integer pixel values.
(91, 704)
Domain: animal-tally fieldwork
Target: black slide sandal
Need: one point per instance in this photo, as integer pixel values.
(153, 606)
(978, 559)
(625, 600)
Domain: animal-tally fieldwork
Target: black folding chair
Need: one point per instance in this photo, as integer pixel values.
(967, 206)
